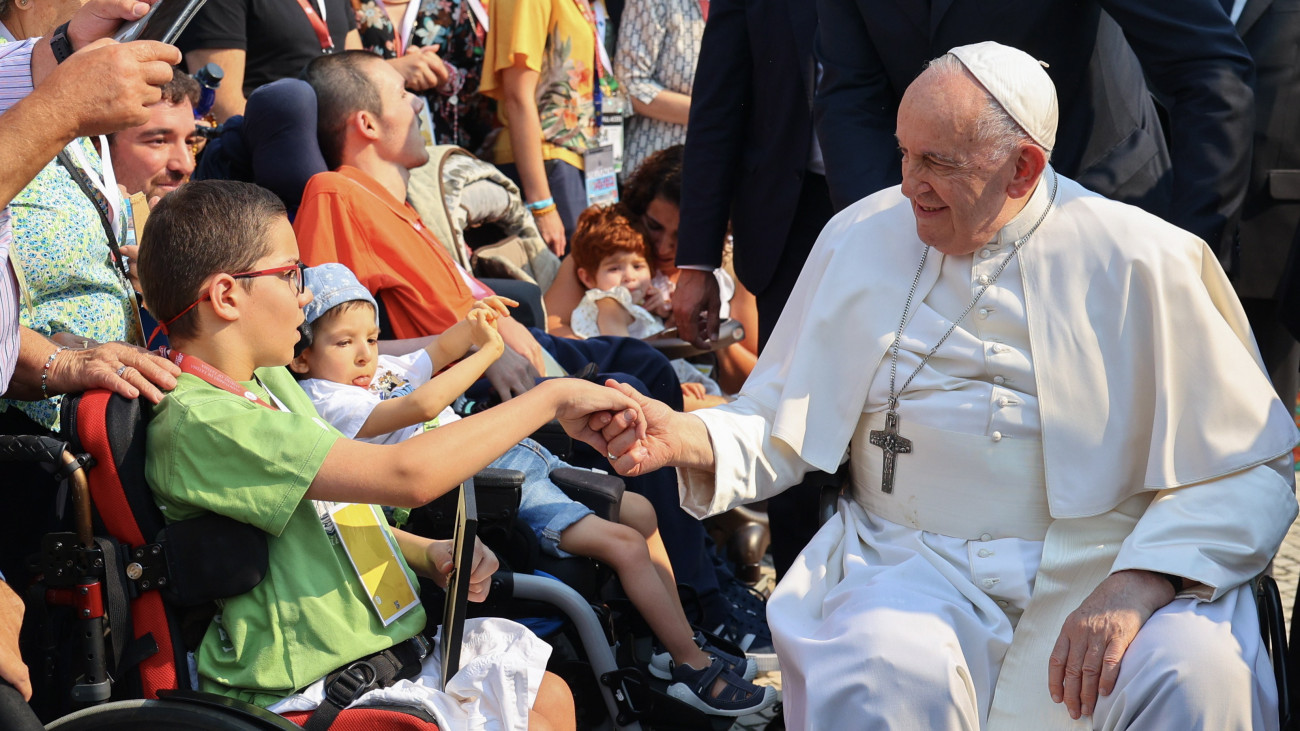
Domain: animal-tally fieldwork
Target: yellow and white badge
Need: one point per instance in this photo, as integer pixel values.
(374, 557)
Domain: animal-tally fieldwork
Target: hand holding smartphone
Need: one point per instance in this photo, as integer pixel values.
(164, 22)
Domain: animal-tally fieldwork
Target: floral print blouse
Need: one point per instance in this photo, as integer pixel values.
(555, 39)
(464, 118)
(69, 281)
(658, 43)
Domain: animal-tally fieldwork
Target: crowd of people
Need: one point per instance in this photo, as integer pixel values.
(985, 261)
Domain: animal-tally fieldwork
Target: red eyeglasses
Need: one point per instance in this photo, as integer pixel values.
(294, 274)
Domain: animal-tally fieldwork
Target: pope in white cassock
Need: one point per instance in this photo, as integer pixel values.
(1067, 460)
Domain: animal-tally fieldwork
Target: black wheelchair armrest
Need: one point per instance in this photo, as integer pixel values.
(497, 494)
(601, 492)
(207, 558)
(669, 343)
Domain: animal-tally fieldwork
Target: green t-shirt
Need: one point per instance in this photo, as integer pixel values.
(212, 451)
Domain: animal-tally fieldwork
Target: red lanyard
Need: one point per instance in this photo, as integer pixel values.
(210, 375)
(318, 25)
(704, 9)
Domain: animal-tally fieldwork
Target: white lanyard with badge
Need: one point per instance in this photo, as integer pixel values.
(601, 163)
(370, 550)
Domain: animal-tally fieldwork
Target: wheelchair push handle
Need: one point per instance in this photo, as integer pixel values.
(58, 458)
(31, 448)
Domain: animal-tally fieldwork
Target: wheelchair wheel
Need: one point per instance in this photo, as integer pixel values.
(135, 715)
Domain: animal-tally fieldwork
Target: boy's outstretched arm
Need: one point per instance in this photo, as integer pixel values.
(426, 466)
(427, 401)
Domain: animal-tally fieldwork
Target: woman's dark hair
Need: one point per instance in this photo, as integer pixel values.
(200, 229)
(658, 176)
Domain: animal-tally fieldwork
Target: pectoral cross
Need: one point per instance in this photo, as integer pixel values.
(892, 444)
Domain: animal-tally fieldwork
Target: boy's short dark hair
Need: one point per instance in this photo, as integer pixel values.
(305, 331)
(200, 229)
(342, 89)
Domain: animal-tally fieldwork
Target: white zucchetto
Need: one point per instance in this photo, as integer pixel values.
(1019, 83)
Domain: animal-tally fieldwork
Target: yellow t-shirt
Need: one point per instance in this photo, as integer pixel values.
(555, 39)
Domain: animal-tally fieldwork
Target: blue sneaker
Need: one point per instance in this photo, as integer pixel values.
(736, 697)
(661, 663)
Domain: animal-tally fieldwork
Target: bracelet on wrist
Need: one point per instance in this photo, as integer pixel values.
(538, 213)
(541, 205)
(45, 370)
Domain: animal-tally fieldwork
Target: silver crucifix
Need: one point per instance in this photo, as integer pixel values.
(892, 444)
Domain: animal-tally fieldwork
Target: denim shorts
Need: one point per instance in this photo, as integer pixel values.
(544, 507)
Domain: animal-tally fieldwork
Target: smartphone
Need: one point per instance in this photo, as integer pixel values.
(164, 22)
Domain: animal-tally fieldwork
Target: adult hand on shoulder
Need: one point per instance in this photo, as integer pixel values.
(12, 669)
(108, 86)
(1086, 659)
(696, 304)
(551, 228)
(638, 449)
(125, 369)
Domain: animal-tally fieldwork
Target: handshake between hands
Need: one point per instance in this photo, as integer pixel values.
(630, 429)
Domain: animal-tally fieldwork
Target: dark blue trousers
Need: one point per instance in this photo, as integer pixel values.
(631, 361)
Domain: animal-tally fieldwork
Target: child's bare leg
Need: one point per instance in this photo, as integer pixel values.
(553, 710)
(626, 550)
(637, 512)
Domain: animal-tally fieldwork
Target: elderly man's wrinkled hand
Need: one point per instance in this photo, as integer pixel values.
(108, 86)
(583, 409)
(696, 305)
(12, 669)
(638, 448)
(1086, 660)
(102, 18)
(125, 369)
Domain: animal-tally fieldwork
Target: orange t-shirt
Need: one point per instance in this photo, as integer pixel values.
(349, 218)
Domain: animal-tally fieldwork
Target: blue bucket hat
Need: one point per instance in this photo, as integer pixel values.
(331, 285)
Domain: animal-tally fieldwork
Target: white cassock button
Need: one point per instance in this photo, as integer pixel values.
(985, 553)
(1004, 401)
(996, 436)
(1004, 603)
(984, 313)
(985, 253)
(983, 279)
(986, 537)
(999, 348)
(990, 582)
(999, 380)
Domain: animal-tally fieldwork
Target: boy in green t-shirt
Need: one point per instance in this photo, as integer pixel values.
(220, 270)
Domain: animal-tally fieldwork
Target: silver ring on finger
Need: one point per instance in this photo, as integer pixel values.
(122, 370)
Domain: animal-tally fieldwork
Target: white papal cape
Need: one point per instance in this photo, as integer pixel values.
(1148, 381)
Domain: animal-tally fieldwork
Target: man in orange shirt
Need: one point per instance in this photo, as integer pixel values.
(357, 215)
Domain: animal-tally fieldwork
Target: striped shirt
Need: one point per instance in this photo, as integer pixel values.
(15, 83)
